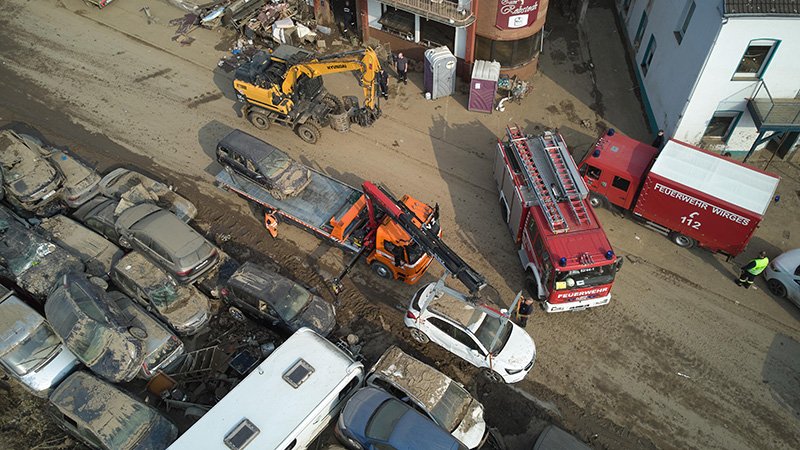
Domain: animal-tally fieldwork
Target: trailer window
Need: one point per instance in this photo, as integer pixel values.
(593, 172)
(576, 279)
(621, 183)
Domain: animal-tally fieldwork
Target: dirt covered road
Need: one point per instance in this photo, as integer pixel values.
(681, 358)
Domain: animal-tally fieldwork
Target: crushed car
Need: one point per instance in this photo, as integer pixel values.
(263, 164)
(183, 307)
(435, 394)
(277, 300)
(29, 260)
(30, 352)
(81, 315)
(103, 416)
(166, 240)
(97, 253)
(132, 188)
(31, 183)
(98, 214)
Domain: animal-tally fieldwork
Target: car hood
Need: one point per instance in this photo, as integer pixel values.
(318, 315)
(25, 174)
(189, 305)
(50, 374)
(472, 427)
(40, 277)
(293, 179)
(518, 352)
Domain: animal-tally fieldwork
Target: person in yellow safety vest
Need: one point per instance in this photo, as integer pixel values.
(752, 270)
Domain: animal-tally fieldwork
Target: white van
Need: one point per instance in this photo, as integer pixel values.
(285, 403)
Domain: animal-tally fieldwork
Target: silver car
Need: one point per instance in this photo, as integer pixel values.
(96, 252)
(183, 307)
(30, 352)
(30, 181)
(167, 241)
(783, 276)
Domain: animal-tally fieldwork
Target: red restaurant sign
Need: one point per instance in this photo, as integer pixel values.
(516, 13)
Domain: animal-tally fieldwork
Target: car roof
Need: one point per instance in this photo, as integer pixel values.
(101, 407)
(141, 270)
(168, 230)
(17, 322)
(247, 145)
(95, 207)
(254, 279)
(456, 310)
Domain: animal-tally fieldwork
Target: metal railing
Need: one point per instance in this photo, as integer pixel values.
(774, 111)
(458, 14)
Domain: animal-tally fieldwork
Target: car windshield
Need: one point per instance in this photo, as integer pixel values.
(134, 425)
(163, 295)
(450, 409)
(25, 252)
(383, 422)
(295, 299)
(274, 164)
(491, 328)
(88, 341)
(576, 279)
(29, 354)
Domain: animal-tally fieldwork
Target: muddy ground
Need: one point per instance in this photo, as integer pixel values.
(681, 358)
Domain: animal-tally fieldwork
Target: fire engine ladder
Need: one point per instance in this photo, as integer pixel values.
(518, 142)
(555, 147)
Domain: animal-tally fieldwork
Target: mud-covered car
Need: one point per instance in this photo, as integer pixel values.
(96, 252)
(278, 301)
(30, 181)
(263, 164)
(161, 346)
(167, 241)
(29, 260)
(100, 215)
(106, 342)
(30, 352)
(183, 307)
(103, 416)
(81, 182)
(431, 392)
(132, 188)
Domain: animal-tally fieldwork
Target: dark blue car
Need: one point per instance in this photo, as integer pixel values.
(375, 420)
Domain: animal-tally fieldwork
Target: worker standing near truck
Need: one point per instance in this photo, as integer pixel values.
(753, 269)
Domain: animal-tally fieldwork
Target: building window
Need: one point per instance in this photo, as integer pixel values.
(721, 125)
(648, 55)
(398, 22)
(508, 53)
(640, 31)
(683, 23)
(755, 59)
(436, 34)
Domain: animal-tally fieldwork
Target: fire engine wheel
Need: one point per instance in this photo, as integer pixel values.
(419, 335)
(777, 288)
(682, 241)
(532, 286)
(258, 119)
(491, 375)
(308, 132)
(597, 201)
(382, 270)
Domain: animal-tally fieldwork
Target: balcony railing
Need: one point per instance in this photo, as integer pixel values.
(773, 113)
(457, 14)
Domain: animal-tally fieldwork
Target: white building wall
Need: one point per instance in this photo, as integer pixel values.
(717, 91)
(460, 45)
(374, 14)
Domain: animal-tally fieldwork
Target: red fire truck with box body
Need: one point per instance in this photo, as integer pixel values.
(568, 260)
(691, 195)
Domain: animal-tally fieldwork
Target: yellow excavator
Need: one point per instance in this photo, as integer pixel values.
(284, 86)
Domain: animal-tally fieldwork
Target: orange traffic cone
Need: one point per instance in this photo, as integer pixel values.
(271, 223)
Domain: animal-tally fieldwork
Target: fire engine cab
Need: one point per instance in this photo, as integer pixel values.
(568, 260)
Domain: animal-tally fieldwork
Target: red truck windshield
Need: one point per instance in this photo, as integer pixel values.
(576, 279)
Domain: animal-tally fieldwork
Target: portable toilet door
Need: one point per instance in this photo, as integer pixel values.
(440, 72)
(483, 86)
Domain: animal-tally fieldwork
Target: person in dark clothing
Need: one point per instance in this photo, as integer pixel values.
(401, 64)
(383, 83)
(524, 310)
(658, 142)
(752, 269)
(348, 18)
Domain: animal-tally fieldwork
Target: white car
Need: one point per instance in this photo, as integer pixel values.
(783, 276)
(501, 348)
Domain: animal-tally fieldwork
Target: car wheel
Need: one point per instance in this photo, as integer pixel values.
(419, 335)
(382, 270)
(491, 375)
(308, 132)
(532, 286)
(236, 314)
(124, 242)
(597, 201)
(259, 120)
(138, 333)
(777, 288)
(682, 241)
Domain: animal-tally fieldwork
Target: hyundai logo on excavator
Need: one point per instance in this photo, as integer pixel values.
(336, 66)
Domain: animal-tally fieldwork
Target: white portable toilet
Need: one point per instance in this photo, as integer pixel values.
(440, 72)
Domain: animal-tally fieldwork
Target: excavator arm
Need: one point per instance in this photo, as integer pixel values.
(365, 62)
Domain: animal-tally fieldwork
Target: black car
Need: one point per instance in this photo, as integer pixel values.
(278, 301)
(98, 214)
(263, 164)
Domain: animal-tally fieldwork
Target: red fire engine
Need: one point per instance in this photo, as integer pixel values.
(568, 260)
